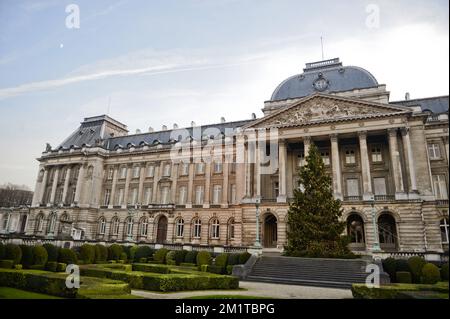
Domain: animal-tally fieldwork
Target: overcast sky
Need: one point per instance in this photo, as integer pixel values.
(165, 62)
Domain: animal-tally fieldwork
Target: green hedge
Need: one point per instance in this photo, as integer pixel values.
(403, 277)
(221, 260)
(188, 265)
(61, 267)
(204, 258)
(114, 252)
(230, 269)
(27, 256)
(233, 259)
(160, 269)
(40, 255)
(170, 258)
(191, 257)
(430, 274)
(13, 252)
(2, 251)
(143, 252)
(7, 264)
(415, 266)
(67, 256)
(51, 266)
(87, 253)
(244, 257)
(52, 252)
(160, 255)
(444, 272)
(101, 253)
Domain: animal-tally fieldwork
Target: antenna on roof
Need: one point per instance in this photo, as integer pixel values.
(321, 44)
(109, 104)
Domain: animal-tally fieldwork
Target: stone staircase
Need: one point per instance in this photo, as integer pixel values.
(319, 272)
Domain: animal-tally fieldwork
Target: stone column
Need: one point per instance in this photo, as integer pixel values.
(174, 182)
(190, 185)
(141, 183)
(66, 185)
(446, 148)
(307, 145)
(79, 185)
(207, 184)
(43, 186)
(54, 186)
(240, 168)
(226, 166)
(258, 171)
(365, 166)
(396, 166)
(248, 172)
(410, 160)
(112, 199)
(155, 185)
(336, 167)
(282, 155)
(127, 185)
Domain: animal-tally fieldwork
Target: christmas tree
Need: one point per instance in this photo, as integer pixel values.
(314, 226)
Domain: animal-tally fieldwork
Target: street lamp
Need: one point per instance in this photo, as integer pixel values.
(376, 244)
(131, 213)
(257, 202)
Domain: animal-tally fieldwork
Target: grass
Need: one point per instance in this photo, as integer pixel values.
(227, 297)
(402, 291)
(13, 293)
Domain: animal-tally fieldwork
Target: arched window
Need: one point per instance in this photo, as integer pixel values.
(215, 228)
(197, 228)
(179, 227)
(129, 227)
(64, 217)
(444, 230)
(102, 226)
(115, 223)
(51, 223)
(39, 222)
(231, 229)
(355, 229)
(6, 219)
(387, 231)
(143, 226)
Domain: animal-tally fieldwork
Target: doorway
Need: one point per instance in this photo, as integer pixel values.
(161, 233)
(270, 235)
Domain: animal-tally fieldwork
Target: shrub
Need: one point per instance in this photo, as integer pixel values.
(179, 256)
(430, 274)
(27, 256)
(170, 258)
(159, 269)
(389, 266)
(37, 267)
(444, 272)
(188, 265)
(244, 257)
(52, 252)
(101, 253)
(13, 252)
(230, 269)
(61, 267)
(191, 257)
(143, 252)
(403, 277)
(18, 267)
(203, 258)
(67, 256)
(142, 260)
(123, 257)
(131, 252)
(8, 264)
(221, 261)
(415, 266)
(203, 267)
(40, 255)
(114, 252)
(233, 259)
(402, 265)
(160, 255)
(215, 269)
(51, 266)
(2, 251)
(87, 253)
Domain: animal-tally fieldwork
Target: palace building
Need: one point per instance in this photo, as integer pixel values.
(388, 161)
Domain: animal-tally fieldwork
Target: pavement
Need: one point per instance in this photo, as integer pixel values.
(257, 289)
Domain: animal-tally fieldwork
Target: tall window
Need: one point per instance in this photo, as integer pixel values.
(150, 171)
(350, 157)
(166, 170)
(120, 196)
(107, 197)
(6, 218)
(352, 187)
(199, 192)
(147, 195)
(115, 226)
(215, 228)
(376, 154)
(434, 151)
(200, 168)
(144, 226)
(217, 194)
(440, 186)
(136, 170)
(185, 169)
(301, 159)
(134, 196)
(165, 195)
(123, 172)
(444, 230)
(233, 193)
(231, 229)
(325, 157)
(218, 167)
(39, 222)
(182, 196)
(110, 173)
(379, 184)
(102, 226)
(51, 223)
(129, 227)
(179, 229)
(197, 231)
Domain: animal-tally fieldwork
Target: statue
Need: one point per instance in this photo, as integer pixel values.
(48, 147)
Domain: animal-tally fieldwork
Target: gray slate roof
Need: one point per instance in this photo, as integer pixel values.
(438, 104)
(86, 134)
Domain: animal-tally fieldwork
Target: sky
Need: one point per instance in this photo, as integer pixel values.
(151, 63)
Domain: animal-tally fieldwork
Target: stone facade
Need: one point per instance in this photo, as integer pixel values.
(389, 163)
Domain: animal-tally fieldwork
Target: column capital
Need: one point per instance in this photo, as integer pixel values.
(334, 137)
(392, 131)
(307, 140)
(362, 134)
(404, 131)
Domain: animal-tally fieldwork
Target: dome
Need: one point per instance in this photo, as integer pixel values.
(324, 76)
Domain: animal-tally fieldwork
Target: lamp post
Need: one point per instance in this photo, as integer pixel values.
(131, 213)
(257, 241)
(376, 244)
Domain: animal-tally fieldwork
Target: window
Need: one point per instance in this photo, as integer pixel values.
(167, 170)
(102, 226)
(325, 157)
(107, 197)
(200, 168)
(350, 157)
(276, 189)
(379, 184)
(179, 228)
(233, 167)
(231, 229)
(123, 172)
(110, 173)
(434, 151)
(352, 187)
(233, 193)
(51, 223)
(182, 195)
(115, 226)
(144, 227)
(72, 196)
(134, 196)
(6, 218)
(58, 197)
(376, 154)
(215, 229)
(147, 195)
(39, 222)
(444, 230)
(217, 167)
(300, 160)
(217, 194)
(136, 171)
(185, 169)
(199, 191)
(165, 195)
(197, 231)
(129, 227)
(120, 196)
(355, 229)
(440, 187)
(150, 171)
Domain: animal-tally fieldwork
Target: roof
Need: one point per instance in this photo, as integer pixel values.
(438, 104)
(329, 76)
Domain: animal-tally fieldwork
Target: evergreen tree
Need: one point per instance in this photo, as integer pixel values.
(314, 226)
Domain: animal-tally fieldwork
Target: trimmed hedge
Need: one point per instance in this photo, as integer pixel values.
(389, 266)
(13, 252)
(7, 264)
(114, 252)
(444, 272)
(160, 255)
(244, 257)
(51, 266)
(67, 256)
(221, 260)
(403, 277)
(402, 265)
(415, 266)
(204, 258)
(101, 253)
(27, 256)
(188, 265)
(170, 258)
(430, 274)
(61, 267)
(143, 252)
(2, 251)
(52, 252)
(179, 256)
(191, 257)
(233, 259)
(40, 255)
(230, 269)
(87, 253)
(159, 269)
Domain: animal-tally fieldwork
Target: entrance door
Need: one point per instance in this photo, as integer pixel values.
(161, 233)
(270, 232)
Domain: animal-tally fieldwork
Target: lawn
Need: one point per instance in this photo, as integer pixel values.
(13, 293)
(402, 291)
(227, 297)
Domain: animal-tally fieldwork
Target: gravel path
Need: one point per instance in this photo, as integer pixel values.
(257, 289)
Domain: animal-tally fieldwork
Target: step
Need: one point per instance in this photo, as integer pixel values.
(302, 282)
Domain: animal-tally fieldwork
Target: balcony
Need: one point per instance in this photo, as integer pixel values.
(383, 198)
(352, 198)
(442, 202)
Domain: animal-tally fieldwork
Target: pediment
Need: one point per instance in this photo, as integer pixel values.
(325, 108)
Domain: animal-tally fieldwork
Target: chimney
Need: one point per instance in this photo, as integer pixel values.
(222, 120)
(175, 126)
(253, 116)
(138, 131)
(407, 96)
(150, 129)
(164, 128)
(192, 123)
